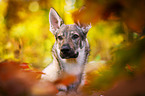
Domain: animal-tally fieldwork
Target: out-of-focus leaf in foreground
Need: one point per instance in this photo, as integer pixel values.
(124, 73)
(131, 12)
(17, 79)
(116, 37)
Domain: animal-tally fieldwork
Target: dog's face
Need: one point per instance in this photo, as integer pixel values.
(69, 38)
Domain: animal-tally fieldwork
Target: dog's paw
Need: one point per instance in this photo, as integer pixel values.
(61, 93)
(61, 87)
(72, 87)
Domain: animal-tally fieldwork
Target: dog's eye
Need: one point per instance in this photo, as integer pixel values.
(75, 36)
(60, 37)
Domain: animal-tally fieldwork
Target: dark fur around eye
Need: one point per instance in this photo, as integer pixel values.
(75, 36)
(60, 37)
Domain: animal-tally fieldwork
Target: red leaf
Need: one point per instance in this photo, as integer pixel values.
(24, 65)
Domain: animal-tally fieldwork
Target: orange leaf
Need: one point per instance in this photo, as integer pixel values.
(24, 65)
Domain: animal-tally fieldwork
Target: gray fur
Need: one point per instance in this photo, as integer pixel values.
(72, 37)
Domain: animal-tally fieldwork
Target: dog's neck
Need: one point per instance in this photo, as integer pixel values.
(71, 61)
(72, 66)
(79, 60)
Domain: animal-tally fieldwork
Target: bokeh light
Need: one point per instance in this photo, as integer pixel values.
(34, 6)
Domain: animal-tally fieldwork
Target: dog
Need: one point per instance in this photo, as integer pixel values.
(70, 51)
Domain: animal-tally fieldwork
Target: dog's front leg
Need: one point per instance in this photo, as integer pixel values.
(74, 86)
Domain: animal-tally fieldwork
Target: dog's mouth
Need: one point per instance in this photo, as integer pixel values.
(69, 55)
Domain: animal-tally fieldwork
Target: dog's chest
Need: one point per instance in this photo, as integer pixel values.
(74, 66)
(73, 69)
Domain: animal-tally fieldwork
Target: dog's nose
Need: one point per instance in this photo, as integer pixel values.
(65, 49)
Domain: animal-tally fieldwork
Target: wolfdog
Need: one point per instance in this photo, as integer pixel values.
(70, 51)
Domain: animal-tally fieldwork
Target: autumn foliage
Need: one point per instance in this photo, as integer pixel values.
(116, 62)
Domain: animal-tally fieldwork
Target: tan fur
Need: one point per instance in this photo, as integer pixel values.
(71, 64)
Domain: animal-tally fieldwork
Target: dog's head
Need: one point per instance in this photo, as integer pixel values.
(69, 38)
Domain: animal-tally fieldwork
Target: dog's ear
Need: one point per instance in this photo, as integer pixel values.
(85, 27)
(55, 21)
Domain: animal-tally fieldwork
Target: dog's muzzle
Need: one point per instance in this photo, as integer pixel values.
(66, 52)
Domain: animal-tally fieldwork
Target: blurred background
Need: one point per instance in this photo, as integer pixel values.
(116, 36)
(24, 29)
(25, 35)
